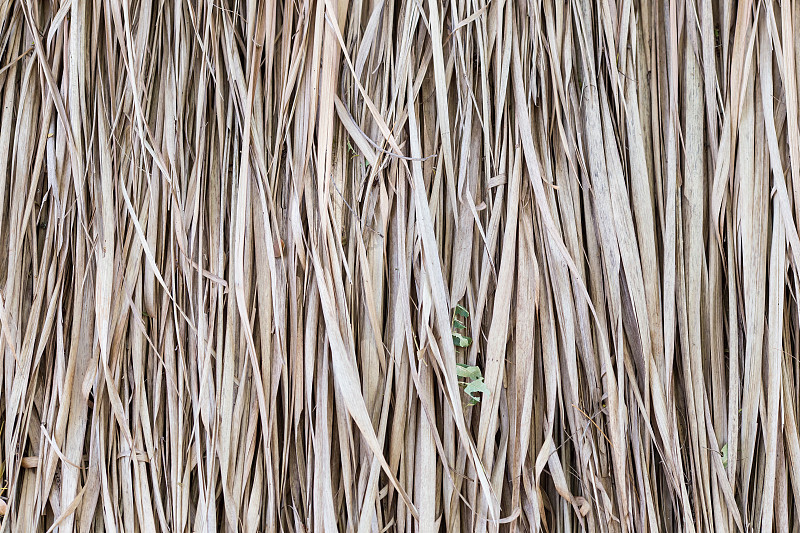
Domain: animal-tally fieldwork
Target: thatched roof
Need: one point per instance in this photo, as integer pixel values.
(381, 265)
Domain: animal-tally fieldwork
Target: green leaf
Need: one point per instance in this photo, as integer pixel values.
(461, 341)
(461, 311)
(476, 386)
(724, 453)
(457, 324)
(473, 399)
(467, 371)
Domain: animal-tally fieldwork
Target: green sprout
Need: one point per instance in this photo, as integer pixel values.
(472, 378)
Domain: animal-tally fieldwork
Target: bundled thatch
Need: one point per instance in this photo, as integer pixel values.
(387, 265)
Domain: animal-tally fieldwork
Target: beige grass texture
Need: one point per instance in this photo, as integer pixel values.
(238, 238)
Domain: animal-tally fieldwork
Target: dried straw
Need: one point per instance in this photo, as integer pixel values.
(382, 265)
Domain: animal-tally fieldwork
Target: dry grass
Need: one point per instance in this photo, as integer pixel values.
(242, 234)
